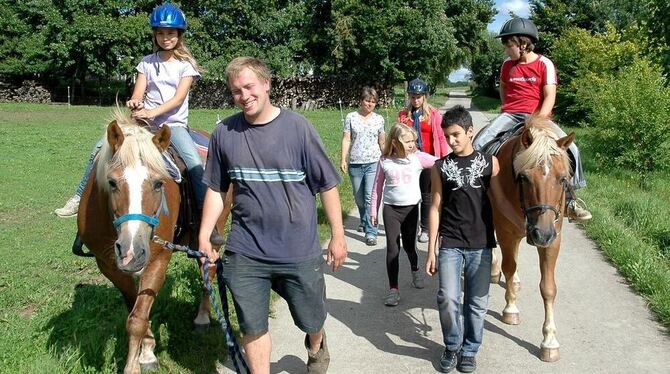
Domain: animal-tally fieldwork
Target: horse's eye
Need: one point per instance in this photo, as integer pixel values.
(523, 177)
(112, 185)
(158, 185)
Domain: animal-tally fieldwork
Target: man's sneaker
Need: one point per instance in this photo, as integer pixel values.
(392, 297)
(417, 279)
(448, 361)
(318, 362)
(70, 209)
(468, 364)
(360, 228)
(577, 211)
(423, 237)
(371, 241)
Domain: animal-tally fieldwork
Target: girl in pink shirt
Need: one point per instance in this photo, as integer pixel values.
(397, 176)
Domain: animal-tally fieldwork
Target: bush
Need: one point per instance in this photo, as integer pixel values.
(581, 58)
(631, 115)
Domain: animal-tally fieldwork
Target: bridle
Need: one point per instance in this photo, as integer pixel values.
(518, 180)
(152, 221)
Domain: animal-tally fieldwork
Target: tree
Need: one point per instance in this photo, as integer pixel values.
(553, 17)
(485, 66)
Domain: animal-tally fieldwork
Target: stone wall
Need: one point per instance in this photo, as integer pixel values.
(305, 93)
(27, 91)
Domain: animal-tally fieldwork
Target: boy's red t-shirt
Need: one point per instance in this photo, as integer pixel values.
(523, 93)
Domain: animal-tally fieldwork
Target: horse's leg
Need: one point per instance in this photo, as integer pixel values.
(549, 349)
(201, 321)
(141, 341)
(123, 282)
(510, 247)
(495, 267)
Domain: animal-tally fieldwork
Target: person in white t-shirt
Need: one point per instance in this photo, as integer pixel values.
(161, 93)
(398, 174)
(363, 139)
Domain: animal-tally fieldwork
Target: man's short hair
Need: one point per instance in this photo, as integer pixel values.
(457, 115)
(240, 63)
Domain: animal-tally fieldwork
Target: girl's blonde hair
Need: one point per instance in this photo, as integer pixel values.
(427, 108)
(181, 52)
(395, 133)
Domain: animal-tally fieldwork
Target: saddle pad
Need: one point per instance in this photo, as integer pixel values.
(201, 144)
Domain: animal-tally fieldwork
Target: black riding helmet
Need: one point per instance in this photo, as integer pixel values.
(519, 26)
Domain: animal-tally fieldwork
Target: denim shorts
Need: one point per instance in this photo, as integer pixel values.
(301, 284)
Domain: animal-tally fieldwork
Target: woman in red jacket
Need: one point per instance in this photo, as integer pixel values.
(426, 120)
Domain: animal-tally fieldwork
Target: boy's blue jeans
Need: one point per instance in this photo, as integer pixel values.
(463, 323)
(362, 178)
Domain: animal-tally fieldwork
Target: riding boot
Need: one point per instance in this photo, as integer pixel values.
(77, 247)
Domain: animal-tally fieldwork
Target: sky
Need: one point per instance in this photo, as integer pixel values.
(519, 7)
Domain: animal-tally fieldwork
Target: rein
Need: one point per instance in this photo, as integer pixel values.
(221, 310)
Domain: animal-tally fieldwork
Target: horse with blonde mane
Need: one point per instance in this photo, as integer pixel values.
(528, 199)
(129, 198)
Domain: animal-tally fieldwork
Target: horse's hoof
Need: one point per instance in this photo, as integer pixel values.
(510, 318)
(201, 327)
(516, 286)
(549, 354)
(495, 278)
(149, 366)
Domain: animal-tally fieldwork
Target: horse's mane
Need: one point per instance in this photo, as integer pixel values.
(138, 148)
(543, 147)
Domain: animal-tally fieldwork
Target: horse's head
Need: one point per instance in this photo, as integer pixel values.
(132, 172)
(542, 172)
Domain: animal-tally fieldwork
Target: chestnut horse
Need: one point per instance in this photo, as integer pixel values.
(528, 199)
(129, 198)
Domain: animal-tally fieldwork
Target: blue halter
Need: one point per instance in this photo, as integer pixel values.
(152, 221)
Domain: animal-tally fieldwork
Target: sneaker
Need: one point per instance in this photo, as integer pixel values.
(448, 361)
(370, 241)
(392, 297)
(417, 279)
(318, 362)
(360, 228)
(468, 364)
(423, 237)
(577, 211)
(70, 209)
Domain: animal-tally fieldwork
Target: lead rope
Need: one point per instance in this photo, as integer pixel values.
(221, 310)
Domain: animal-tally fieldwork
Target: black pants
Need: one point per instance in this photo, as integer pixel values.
(400, 220)
(426, 197)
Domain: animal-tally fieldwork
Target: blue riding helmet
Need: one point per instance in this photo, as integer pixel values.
(167, 16)
(417, 86)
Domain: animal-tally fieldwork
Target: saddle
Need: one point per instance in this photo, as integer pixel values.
(493, 146)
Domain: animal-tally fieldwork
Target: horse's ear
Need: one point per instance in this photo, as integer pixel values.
(526, 138)
(114, 136)
(565, 141)
(162, 138)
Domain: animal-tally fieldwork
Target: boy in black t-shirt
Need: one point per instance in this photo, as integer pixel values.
(461, 214)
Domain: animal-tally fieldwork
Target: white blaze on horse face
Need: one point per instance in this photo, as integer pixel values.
(135, 177)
